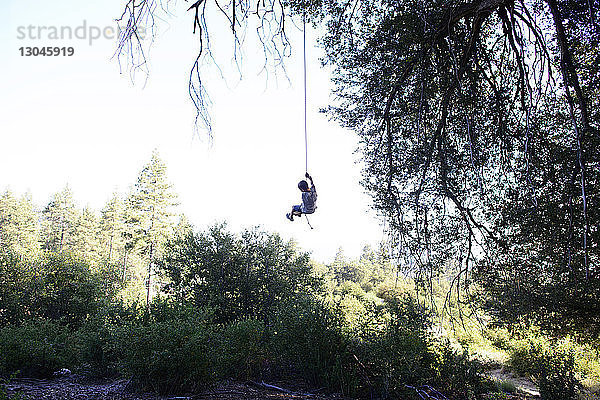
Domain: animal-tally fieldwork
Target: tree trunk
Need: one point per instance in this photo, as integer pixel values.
(149, 274)
(110, 246)
(124, 264)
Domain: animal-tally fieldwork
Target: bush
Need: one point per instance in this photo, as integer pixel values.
(242, 350)
(94, 343)
(35, 349)
(505, 386)
(14, 303)
(306, 336)
(552, 364)
(557, 375)
(57, 287)
(408, 354)
(387, 354)
(66, 290)
(167, 355)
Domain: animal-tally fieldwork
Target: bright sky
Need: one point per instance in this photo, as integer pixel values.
(76, 120)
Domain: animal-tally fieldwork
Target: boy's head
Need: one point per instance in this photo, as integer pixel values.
(303, 186)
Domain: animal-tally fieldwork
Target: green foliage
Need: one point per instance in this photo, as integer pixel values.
(306, 334)
(552, 364)
(238, 276)
(65, 289)
(506, 386)
(18, 225)
(59, 222)
(54, 286)
(407, 354)
(441, 97)
(112, 229)
(241, 351)
(95, 346)
(35, 349)
(243, 306)
(15, 283)
(167, 352)
(4, 395)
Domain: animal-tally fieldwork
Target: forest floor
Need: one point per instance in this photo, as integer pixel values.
(74, 387)
(78, 389)
(523, 385)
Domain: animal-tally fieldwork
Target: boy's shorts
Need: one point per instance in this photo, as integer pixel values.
(297, 209)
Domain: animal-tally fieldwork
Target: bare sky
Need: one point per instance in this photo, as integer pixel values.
(77, 120)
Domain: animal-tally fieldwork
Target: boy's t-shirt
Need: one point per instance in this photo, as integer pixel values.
(309, 201)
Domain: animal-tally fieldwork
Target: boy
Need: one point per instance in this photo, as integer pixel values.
(309, 199)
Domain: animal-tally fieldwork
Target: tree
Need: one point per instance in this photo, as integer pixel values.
(87, 230)
(270, 18)
(476, 127)
(152, 202)
(112, 225)
(239, 276)
(18, 224)
(59, 221)
(64, 288)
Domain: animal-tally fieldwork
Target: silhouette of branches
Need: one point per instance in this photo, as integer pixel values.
(270, 18)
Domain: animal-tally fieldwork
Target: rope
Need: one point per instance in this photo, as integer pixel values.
(307, 221)
(305, 125)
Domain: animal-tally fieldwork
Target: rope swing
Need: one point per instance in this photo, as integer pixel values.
(305, 101)
(305, 124)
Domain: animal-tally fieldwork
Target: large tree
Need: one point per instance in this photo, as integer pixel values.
(112, 226)
(239, 276)
(151, 218)
(481, 143)
(59, 222)
(18, 224)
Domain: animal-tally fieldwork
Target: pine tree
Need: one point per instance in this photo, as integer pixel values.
(152, 202)
(112, 226)
(85, 235)
(18, 224)
(128, 234)
(59, 222)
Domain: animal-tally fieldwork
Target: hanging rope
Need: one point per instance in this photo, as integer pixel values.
(305, 126)
(307, 221)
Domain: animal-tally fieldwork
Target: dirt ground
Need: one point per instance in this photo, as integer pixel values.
(73, 389)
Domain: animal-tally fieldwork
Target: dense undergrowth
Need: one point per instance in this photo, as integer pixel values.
(251, 306)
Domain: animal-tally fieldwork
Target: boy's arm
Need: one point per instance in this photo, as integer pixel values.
(311, 179)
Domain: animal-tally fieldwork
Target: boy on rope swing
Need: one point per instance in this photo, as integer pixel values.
(309, 199)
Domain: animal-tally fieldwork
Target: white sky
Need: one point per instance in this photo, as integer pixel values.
(76, 120)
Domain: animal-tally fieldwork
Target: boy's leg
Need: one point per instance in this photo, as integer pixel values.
(291, 214)
(296, 212)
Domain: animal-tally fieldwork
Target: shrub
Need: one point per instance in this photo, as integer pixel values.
(408, 354)
(306, 336)
(14, 288)
(557, 375)
(552, 364)
(242, 351)
(66, 290)
(459, 376)
(94, 343)
(505, 386)
(35, 349)
(167, 355)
